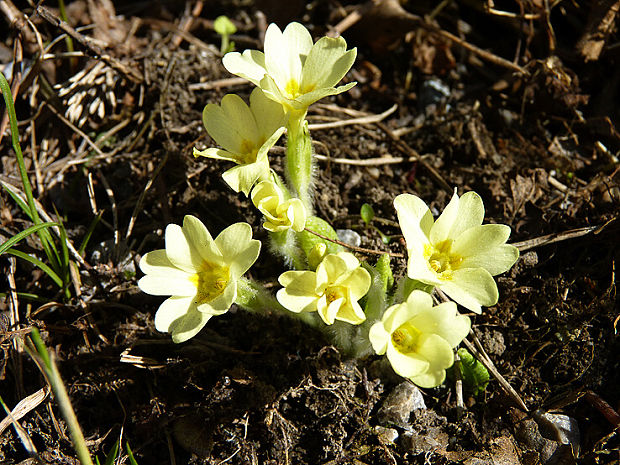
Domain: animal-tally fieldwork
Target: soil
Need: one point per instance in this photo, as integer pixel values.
(534, 133)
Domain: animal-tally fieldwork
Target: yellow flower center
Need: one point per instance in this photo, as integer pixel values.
(249, 151)
(441, 260)
(210, 282)
(293, 89)
(334, 293)
(405, 338)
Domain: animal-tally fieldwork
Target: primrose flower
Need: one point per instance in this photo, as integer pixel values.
(293, 71)
(280, 215)
(246, 135)
(418, 338)
(200, 274)
(456, 253)
(332, 290)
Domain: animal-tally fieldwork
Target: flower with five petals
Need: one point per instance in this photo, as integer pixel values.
(456, 252)
(199, 272)
(418, 338)
(293, 71)
(246, 134)
(332, 290)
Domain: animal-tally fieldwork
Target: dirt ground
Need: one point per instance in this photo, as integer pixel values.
(515, 100)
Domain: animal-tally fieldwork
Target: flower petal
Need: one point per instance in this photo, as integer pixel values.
(415, 219)
(199, 237)
(396, 315)
(178, 315)
(221, 304)
(221, 122)
(175, 282)
(357, 282)
(269, 115)
(298, 294)
(218, 154)
(180, 252)
(307, 99)
(429, 379)
(327, 63)
(441, 229)
(243, 177)
(286, 51)
(484, 247)
(250, 65)
(436, 350)
(406, 365)
(444, 321)
(239, 249)
(378, 338)
(471, 288)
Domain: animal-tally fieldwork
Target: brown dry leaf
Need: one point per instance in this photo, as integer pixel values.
(431, 53)
(109, 29)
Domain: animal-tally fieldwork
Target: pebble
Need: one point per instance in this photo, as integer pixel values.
(398, 405)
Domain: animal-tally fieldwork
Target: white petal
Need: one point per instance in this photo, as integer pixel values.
(218, 154)
(250, 65)
(269, 115)
(471, 288)
(429, 379)
(243, 177)
(406, 365)
(180, 252)
(286, 51)
(444, 321)
(238, 248)
(327, 63)
(179, 316)
(415, 220)
(484, 247)
(378, 337)
(173, 283)
(443, 225)
(200, 239)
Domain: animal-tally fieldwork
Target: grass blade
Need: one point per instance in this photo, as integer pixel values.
(38, 263)
(19, 236)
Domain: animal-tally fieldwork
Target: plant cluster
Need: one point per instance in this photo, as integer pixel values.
(357, 304)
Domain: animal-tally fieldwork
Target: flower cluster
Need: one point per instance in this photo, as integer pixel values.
(327, 287)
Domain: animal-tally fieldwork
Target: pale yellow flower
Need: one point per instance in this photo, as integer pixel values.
(246, 134)
(456, 253)
(199, 272)
(333, 290)
(418, 338)
(280, 214)
(293, 71)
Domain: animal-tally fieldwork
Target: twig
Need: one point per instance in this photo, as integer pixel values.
(352, 247)
(362, 120)
(366, 162)
(556, 237)
(488, 364)
(218, 84)
(95, 50)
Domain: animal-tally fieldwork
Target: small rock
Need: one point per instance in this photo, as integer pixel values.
(558, 427)
(428, 441)
(386, 435)
(398, 405)
(349, 236)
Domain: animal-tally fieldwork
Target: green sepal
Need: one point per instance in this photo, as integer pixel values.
(308, 240)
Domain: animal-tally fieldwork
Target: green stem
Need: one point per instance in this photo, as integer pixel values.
(253, 297)
(299, 167)
(284, 243)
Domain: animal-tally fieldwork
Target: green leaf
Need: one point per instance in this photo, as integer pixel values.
(112, 455)
(308, 240)
(132, 460)
(38, 263)
(224, 26)
(475, 375)
(25, 233)
(367, 213)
